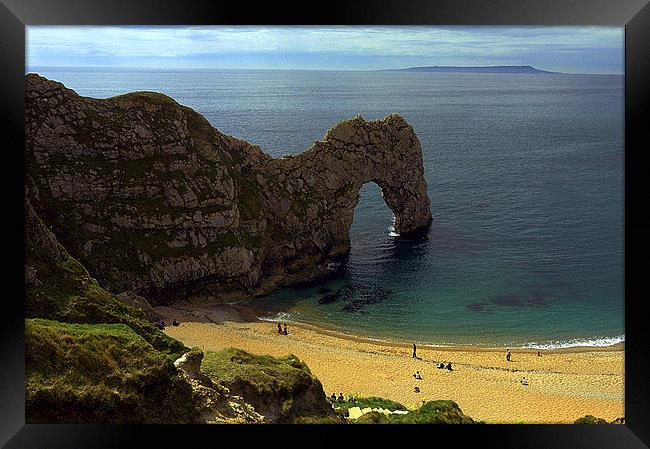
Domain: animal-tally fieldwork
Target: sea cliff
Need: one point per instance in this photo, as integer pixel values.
(153, 200)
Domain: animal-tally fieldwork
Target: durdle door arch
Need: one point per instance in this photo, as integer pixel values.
(153, 200)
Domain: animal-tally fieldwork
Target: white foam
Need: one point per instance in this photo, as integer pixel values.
(280, 316)
(597, 342)
(391, 231)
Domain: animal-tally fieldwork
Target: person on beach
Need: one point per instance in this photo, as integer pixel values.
(285, 329)
(417, 375)
(416, 389)
(539, 354)
(175, 322)
(333, 397)
(280, 331)
(508, 355)
(441, 365)
(340, 398)
(414, 349)
(523, 381)
(449, 366)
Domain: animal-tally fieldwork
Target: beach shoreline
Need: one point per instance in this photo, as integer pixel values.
(563, 384)
(218, 313)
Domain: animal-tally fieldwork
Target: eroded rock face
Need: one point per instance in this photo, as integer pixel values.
(152, 199)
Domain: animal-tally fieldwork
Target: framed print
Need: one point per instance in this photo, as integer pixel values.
(378, 213)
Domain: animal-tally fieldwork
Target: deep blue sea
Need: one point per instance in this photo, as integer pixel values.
(525, 176)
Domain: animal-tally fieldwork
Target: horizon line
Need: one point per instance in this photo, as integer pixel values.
(310, 70)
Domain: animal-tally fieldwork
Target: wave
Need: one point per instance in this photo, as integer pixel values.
(598, 342)
(279, 317)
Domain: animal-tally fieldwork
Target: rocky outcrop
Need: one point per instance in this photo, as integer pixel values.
(283, 390)
(152, 199)
(216, 403)
(137, 301)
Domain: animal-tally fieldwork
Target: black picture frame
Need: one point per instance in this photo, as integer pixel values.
(633, 14)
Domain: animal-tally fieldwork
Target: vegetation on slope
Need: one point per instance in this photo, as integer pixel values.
(64, 291)
(365, 402)
(432, 412)
(281, 389)
(89, 357)
(104, 373)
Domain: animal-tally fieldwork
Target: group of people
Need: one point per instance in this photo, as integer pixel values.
(282, 331)
(160, 323)
(441, 365)
(417, 374)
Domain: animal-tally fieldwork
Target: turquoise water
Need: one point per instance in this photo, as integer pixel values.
(525, 175)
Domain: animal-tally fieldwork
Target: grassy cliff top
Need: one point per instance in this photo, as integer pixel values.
(100, 373)
(265, 373)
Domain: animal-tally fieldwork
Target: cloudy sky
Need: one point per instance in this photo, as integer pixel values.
(564, 49)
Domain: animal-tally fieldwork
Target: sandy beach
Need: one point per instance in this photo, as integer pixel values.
(563, 385)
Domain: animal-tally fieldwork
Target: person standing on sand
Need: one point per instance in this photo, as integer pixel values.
(279, 328)
(285, 329)
(414, 349)
(508, 355)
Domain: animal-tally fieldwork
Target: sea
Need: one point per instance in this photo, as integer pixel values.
(525, 173)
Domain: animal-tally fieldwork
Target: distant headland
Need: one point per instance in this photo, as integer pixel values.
(481, 69)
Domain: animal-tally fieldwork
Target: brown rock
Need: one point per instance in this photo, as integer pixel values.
(152, 199)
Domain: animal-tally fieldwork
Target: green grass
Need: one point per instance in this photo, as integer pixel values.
(372, 402)
(432, 412)
(267, 374)
(280, 388)
(100, 373)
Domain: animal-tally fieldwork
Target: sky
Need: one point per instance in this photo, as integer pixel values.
(560, 49)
